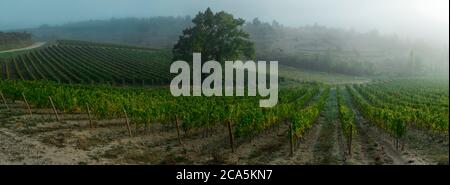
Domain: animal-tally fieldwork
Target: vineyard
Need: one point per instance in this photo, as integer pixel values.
(66, 103)
(396, 108)
(398, 121)
(80, 62)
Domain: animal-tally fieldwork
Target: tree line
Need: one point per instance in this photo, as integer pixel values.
(314, 47)
(10, 40)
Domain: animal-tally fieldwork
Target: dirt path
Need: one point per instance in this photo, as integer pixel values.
(303, 154)
(265, 147)
(327, 149)
(435, 150)
(16, 148)
(35, 45)
(41, 140)
(375, 146)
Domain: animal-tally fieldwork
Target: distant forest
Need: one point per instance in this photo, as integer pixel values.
(11, 40)
(313, 47)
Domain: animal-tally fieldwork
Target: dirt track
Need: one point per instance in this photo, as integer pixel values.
(35, 45)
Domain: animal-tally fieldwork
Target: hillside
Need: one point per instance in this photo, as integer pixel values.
(87, 62)
(312, 47)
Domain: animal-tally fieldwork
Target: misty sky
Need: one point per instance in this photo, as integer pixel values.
(427, 19)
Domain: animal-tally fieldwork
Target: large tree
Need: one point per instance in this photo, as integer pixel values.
(216, 36)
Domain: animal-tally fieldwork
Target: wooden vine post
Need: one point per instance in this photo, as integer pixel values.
(231, 136)
(90, 117)
(127, 123)
(178, 130)
(291, 142)
(350, 141)
(4, 101)
(396, 142)
(54, 108)
(28, 105)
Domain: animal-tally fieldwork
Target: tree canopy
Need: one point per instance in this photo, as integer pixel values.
(216, 36)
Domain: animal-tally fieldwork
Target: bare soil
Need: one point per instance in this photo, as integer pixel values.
(40, 139)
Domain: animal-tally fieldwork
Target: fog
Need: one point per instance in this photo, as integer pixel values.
(415, 19)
